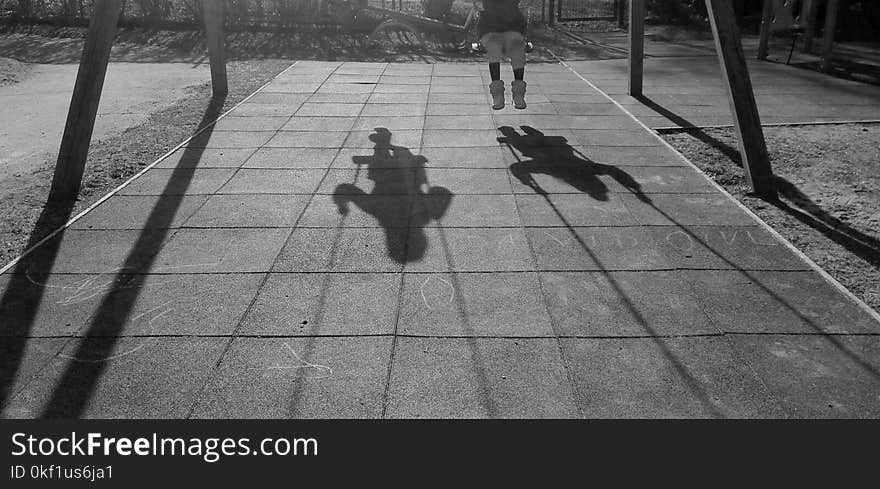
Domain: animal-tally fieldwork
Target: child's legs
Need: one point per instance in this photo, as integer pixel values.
(515, 49)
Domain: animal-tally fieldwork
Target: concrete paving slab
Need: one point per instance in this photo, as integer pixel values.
(33, 355)
(66, 303)
(466, 211)
(339, 98)
(482, 121)
(386, 177)
(462, 181)
(325, 304)
(206, 158)
(269, 110)
(132, 378)
(620, 304)
(288, 99)
(458, 109)
(468, 250)
(183, 181)
(757, 302)
(616, 137)
(346, 88)
(310, 109)
(401, 79)
(630, 156)
(273, 181)
(370, 123)
(256, 123)
(357, 210)
(817, 376)
(597, 249)
(686, 210)
(667, 180)
(562, 210)
(237, 139)
(298, 139)
(166, 305)
(473, 304)
(299, 378)
(318, 123)
(398, 98)
(665, 378)
(220, 250)
(479, 378)
(391, 86)
(292, 158)
(343, 250)
(141, 212)
(113, 250)
(407, 138)
(249, 211)
(458, 138)
(391, 110)
(725, 248)
(479, 157)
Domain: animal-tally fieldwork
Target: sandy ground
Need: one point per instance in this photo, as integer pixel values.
(829, 186)
(34, 99)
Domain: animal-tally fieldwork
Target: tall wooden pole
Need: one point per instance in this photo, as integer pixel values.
(636, 46)
(753, 147)
(213, 10)
(85, 100)
(551, 12)
(828, 36)
(764, 37)
(811, 11)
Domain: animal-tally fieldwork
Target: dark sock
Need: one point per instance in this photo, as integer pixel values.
(495, 71)
(518, 74)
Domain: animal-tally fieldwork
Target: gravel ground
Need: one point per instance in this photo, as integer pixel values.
(828, 177)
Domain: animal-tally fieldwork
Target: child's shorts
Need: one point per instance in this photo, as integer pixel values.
(500, 44)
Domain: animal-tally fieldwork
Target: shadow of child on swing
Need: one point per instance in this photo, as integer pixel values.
(539, 154)
(401, 200)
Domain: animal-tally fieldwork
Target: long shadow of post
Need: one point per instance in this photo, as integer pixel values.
(864, 246)
(547, 167)
(554, 156)
(80, 377)
(25, 290)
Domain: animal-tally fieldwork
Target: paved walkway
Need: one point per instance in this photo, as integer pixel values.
(690, 92)
(354, 241)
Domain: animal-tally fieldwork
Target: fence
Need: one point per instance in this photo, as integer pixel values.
(239, 13)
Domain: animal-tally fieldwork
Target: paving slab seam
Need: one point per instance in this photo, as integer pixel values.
(235, 333)
(136, 176)
(577, 396)
(386, 392)
(837, 285)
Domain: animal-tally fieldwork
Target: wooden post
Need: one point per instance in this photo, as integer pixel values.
(764, 38)
(551, 13)
(620, 7)
(85, 100)
(216, 50)
(752, 145)
(636, 46)
(828, 35)
(811, 11)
